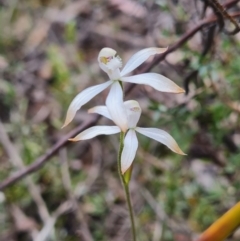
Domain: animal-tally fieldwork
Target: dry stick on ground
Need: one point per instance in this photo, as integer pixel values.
(66, 180)
(16, 161)
(71, 205)
(37, 164)
(162, 217)
(63, 207)
(49, 225)
(64, 141)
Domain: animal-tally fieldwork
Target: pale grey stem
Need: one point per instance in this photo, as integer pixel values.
(49, 225)
(162, 217)
(16, 161)
(22, 222)
(66, 179)
(75, 194)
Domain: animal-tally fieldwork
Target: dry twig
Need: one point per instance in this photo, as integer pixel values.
(16, 161)
(64, 141)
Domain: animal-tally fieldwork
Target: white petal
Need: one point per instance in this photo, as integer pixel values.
(161, 136)
(157, 81)
(96, 131)
(101, 110)
(114, 103)
(129, 150)
(82, 98)
(139, 57)
(133, 112)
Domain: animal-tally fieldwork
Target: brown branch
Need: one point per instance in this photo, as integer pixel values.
(64, 140)
(16, 161)
(225, 14)
(184, 39)
(49, 153)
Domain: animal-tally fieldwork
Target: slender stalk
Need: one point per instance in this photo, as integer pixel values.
(126, 187)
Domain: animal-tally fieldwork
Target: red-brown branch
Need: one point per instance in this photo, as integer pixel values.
(38, 163)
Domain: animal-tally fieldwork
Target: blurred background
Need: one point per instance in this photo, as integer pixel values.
(48, 54)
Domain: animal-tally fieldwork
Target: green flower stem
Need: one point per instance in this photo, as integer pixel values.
(126, 187)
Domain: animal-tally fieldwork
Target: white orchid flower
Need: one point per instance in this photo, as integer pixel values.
(133, 112)
(111, 64)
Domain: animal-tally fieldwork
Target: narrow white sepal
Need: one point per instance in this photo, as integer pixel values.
(161, 136)
(139, 57)
(82, 98)
(96, 131)
(157, 81)
(116, 108)
(129, 150)
(101, 110)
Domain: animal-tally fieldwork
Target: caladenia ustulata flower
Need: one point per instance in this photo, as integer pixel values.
(111, 63)
(133, 113)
